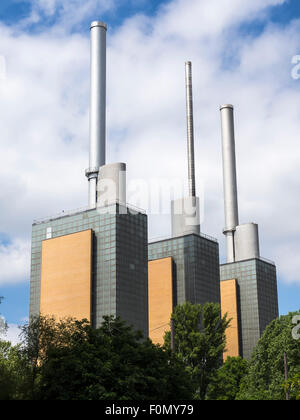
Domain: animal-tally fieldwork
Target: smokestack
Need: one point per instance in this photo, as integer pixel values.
(185, 212)
(190, 128)
(97, 107)
(230, 181)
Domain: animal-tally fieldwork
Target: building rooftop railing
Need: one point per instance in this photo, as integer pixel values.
(267, 261)
(165, 238)
(67, 213)
(63, 213)
(250, 259)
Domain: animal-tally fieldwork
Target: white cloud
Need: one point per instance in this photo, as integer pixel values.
(67, 13)
(13, 334)
(190, 19)
(14, 262)
(44, 116)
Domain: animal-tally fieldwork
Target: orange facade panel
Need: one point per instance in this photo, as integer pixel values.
(66, 276)
(229, 305)
(160, 285)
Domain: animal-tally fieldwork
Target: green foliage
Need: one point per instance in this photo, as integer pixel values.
(7, 371)
(226, 383)
(3, 325)
(199, 342)
(293, 387)
(38, 338)
(266, 370)
(69, 360)
(12, 372)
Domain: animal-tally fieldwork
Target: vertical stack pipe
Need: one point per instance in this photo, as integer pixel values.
(185, 212)
(230, 179)
(246, 242)
(242, 240)
(97, 107)
(190, 129)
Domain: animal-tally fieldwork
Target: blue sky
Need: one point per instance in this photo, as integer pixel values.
(274, 23)
(286, 12)
(14, 10)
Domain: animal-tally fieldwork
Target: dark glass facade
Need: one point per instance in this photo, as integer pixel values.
(257, 299)
(196, 267)
(120, 262)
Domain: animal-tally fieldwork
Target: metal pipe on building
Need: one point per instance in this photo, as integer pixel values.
(97, 107)
(111, 185)
(246, 242)
(190, 129)
(230, 179)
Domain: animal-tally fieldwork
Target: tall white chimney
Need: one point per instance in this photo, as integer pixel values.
(97, 107)
(229, 179)
(242, 240)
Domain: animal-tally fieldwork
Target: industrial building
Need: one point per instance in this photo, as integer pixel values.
(97, 261)
(184, 267)
(93, 262)
(248, 282)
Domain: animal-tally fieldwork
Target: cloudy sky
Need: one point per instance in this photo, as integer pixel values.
(243, 52)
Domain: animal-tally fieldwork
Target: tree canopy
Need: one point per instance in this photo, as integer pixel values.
(265, 380)
(3, 325)
(293, 387)
(199, 342)
(10, 371)
(225, 385)
(11, 368)
(70, 360)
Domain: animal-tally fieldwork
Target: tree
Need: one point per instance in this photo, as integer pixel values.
(226, 383)
(3, 325)
(11, 372)
(72, 361)
(38, 337)
(7, 379)
(10, 366)
(293, 386)
(199, 342)
(266, 369)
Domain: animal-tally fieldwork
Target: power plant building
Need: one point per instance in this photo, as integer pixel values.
(194, 257)
(255, 298)
(252, 306)
(194, 277)
(94, 262)
(97, 261)
(104, 273)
